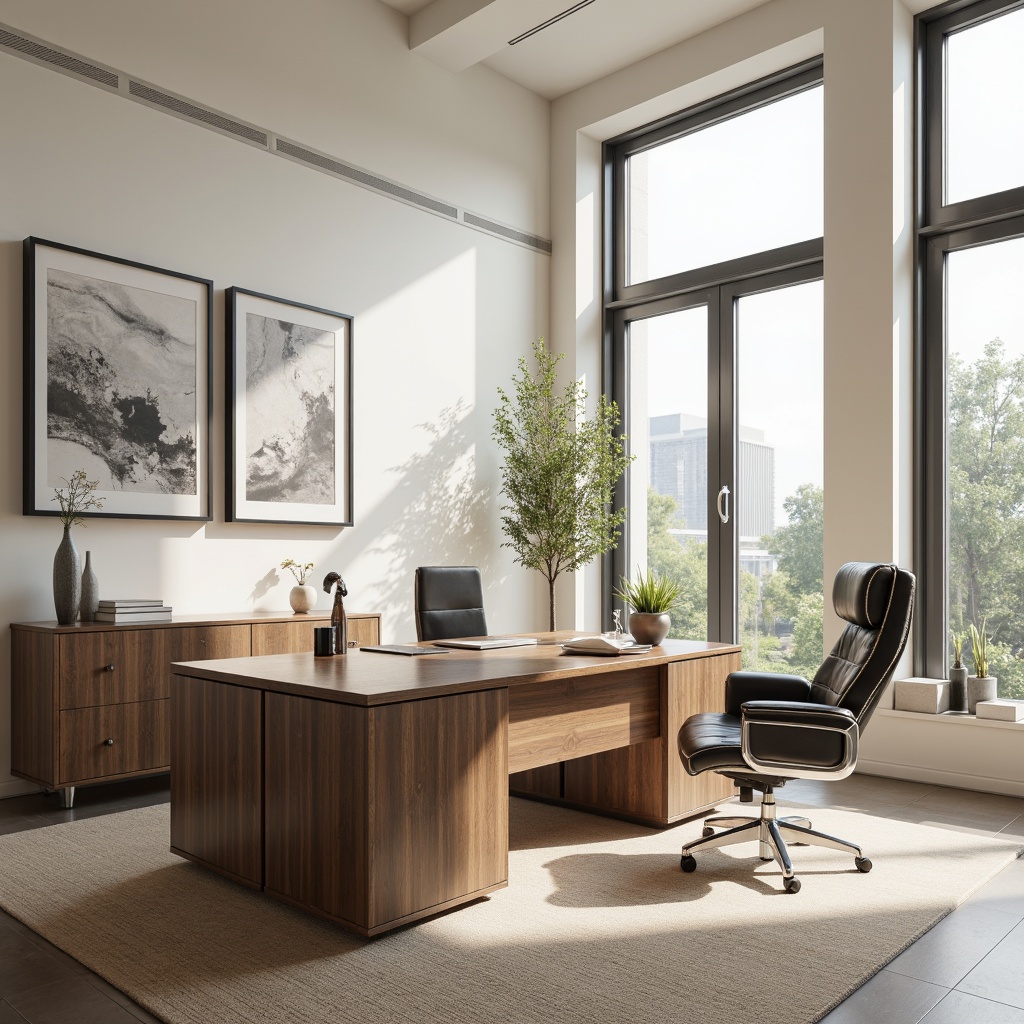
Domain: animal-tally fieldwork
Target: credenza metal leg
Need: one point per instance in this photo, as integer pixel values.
(67, 798)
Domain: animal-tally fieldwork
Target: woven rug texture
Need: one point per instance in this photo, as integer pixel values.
(598, 924)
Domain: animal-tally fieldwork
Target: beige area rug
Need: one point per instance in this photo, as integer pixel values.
(598, 924)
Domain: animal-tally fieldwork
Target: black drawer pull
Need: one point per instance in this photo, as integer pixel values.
(108, 743)
(109, 668)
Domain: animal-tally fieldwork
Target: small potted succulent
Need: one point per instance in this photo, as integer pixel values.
(650, 597)
(980, 686)
(302, 597)
(958, 673)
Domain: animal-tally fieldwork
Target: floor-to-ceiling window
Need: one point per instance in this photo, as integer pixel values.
(715, 350)
(971, 425)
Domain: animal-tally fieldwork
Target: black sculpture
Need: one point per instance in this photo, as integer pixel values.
(339, 620)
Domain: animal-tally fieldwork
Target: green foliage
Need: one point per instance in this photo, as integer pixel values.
(799, 546)
(652, 594)
(957, 640)
(808, 635)
(686, 565)
(979, 648)
(986, 504)
(559, 471)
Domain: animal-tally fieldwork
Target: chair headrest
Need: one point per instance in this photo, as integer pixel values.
(861, 592)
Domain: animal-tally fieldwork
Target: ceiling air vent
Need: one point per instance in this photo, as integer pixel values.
(373, 181)
(551, 21)
(66, 62)
(201, 115)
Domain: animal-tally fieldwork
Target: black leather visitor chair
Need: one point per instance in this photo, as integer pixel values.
(449, 602)
(781, 727)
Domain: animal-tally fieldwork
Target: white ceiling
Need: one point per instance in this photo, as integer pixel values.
(593, 42)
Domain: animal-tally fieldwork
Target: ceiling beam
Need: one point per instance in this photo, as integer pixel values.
(460, 33)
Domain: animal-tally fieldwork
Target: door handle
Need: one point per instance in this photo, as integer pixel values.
(723, 504)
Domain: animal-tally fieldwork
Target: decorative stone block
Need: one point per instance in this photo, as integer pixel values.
(925, 696)
(1000, 709)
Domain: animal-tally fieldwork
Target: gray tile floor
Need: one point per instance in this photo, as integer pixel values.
(966, 970)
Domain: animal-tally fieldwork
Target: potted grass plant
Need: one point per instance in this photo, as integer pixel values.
(958, 673)
(650, 596)
(980, 686)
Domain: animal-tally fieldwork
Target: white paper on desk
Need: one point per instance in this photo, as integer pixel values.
(605, 645)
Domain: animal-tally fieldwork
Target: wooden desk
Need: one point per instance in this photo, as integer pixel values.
(373, 789)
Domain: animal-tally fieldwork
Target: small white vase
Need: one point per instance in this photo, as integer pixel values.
(302, 598)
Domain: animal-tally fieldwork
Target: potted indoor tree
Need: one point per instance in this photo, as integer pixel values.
(559, 472)
(650, 597)
(980, 686)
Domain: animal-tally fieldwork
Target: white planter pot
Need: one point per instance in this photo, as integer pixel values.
(302, 599)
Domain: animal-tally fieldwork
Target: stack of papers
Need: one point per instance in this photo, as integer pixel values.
(605, 645)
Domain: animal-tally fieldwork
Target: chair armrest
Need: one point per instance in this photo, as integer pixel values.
(743, 686)
(799, 740)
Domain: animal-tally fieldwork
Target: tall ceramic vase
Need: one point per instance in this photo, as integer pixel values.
(67, 580)
(90, 591)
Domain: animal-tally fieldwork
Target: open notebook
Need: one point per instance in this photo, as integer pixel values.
(606, 645)
(487, 643)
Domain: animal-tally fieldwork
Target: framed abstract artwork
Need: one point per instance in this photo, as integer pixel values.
(289, 418)
(117, 383)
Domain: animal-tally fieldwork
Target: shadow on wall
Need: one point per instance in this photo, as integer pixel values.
(440, 515)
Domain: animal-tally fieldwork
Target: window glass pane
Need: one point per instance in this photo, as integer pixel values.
(668, 498)
(745, 185)
(780, 483)
(985, 475)
(985, 108)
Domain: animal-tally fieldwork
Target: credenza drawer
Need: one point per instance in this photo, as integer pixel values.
(296, 636)
(113, 740)
(115, 666)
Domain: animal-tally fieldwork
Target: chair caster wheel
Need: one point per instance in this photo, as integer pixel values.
(792, 884)
(708, 831)
(688, 863)
(863, 864)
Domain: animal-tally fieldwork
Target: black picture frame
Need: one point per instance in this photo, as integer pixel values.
(277, 419)
(118, 370)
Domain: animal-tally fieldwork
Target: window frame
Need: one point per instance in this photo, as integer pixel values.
(942, 229)
(716, 285)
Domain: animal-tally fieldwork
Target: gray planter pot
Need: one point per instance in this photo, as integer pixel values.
(958, 688)
(980, 688)
(649, 627)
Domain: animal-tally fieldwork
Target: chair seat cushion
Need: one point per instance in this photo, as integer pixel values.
(711, 740)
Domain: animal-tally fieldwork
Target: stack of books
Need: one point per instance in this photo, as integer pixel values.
(135, 610)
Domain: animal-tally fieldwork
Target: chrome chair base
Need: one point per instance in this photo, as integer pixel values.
(769, 834)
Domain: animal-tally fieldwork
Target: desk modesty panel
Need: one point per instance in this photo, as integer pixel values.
(372, 789)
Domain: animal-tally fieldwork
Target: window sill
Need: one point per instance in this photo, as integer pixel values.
(952, 718)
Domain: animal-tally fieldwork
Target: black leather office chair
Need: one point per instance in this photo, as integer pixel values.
(449, 602)
(781, 727)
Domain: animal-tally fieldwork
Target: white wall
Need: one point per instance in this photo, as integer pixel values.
(442, 313)
(868, 61)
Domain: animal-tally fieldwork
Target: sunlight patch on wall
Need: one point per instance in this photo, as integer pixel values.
(585, 232)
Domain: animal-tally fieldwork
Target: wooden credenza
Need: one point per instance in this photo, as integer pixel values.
(91, 702)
